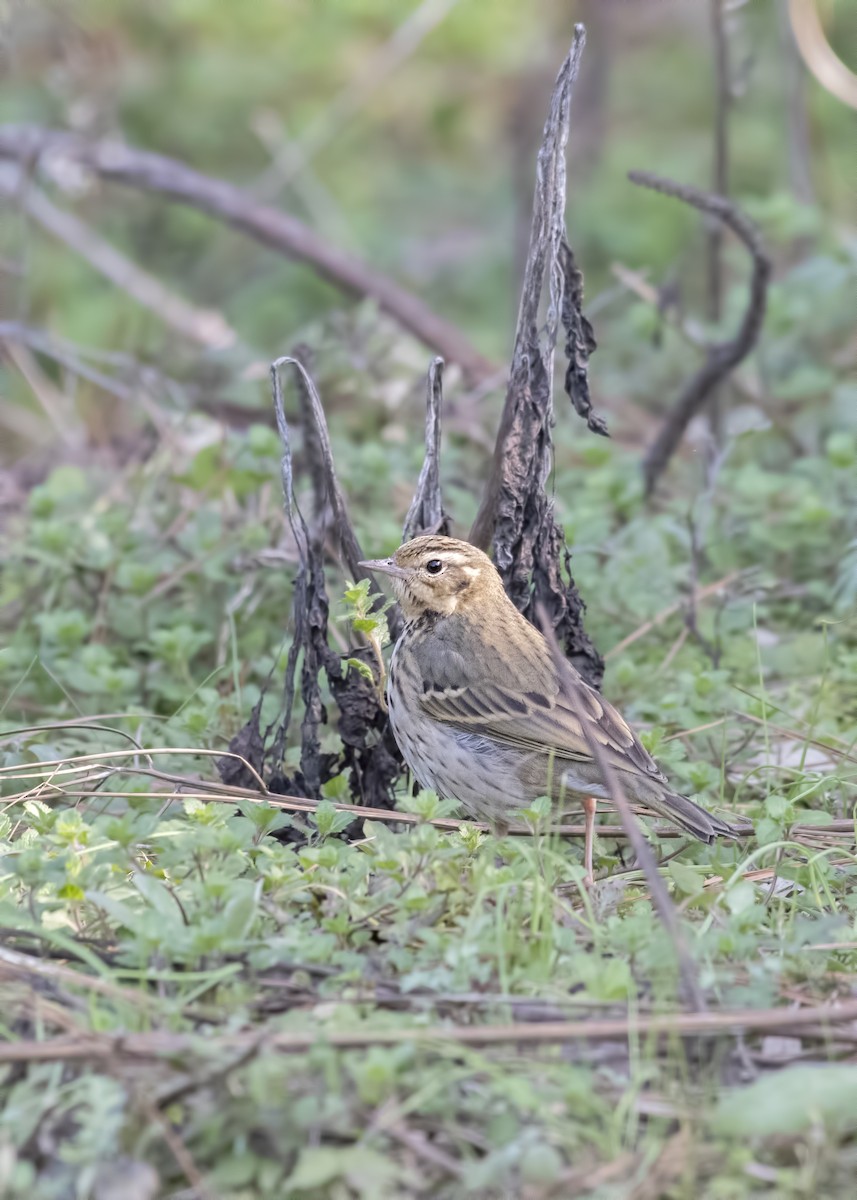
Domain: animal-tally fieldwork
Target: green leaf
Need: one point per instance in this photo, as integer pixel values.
(688, 881)
(240, 910)
(121, 913)
(316, 1166)
(155, 893)
(740, 897)
(768, 831)
(361, 668)
(777, 806)
(541, 1164)
(812, 816)
(71, 891)
(368, 1172)
(791, 1101)
(329, 820)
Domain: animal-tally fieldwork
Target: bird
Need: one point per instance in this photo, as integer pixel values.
(482, 713)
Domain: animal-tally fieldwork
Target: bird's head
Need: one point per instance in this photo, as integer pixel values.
(442, 575)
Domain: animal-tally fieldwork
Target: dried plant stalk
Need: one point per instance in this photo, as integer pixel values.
(368, 751)
(722, 357)
(516, 518)
(426, 513)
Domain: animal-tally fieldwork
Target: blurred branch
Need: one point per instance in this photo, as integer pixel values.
(205, 326)
(819, 1022)
(28, 144)
(720, 173)
(71, 356)
(722, 357)
(815, 50)
(315, 199)
(53, 403)
(688, 329)
(797, 117)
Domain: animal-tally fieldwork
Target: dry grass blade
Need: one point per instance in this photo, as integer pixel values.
(818, 54)
(83, 762)
(705, 593)
(693, 994)
(80, 779)
(342, 529)
(817, 1021)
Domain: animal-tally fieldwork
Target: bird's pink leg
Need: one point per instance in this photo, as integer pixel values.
(589, 806)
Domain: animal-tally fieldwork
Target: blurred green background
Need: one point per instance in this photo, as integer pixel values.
(415, 128)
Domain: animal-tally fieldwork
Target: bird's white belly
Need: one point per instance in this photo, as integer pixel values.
(458, 766)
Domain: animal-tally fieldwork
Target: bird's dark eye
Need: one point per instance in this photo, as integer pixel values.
(434, 566)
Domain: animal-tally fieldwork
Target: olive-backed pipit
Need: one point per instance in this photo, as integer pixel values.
(481, 713)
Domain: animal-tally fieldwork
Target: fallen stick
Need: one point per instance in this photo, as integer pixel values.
(818, 1021)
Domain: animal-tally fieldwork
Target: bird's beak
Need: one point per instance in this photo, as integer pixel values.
(386, 566)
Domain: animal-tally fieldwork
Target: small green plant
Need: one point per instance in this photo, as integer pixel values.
(368, 616)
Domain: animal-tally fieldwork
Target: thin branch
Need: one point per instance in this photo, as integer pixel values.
(28, 144)
(797, 117)
(55, 405)
(342, 529)
(821, 1022)
(420, 1146)
(180, 1153)
(710, 589)
(720, 171)
(722, 357)
(687, 328)
(205, 326)
(198, 790)
(135, 375)
(426, 513)
(693, 994)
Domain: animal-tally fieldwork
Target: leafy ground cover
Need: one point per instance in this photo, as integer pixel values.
(156, 928)
(210, 992)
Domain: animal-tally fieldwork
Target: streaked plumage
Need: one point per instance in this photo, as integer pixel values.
(479, 709)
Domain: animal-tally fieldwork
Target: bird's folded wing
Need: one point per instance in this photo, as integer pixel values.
(555, 719)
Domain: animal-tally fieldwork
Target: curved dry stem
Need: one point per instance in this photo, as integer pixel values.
(722, 357)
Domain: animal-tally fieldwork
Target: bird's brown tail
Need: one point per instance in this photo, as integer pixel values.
(703, 825)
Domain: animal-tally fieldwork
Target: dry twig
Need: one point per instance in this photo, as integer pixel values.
(372, 760)
(426, 513)
(205, 326)
(819, 1022)
(722, 357)
(28, 144)
(693, 994)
